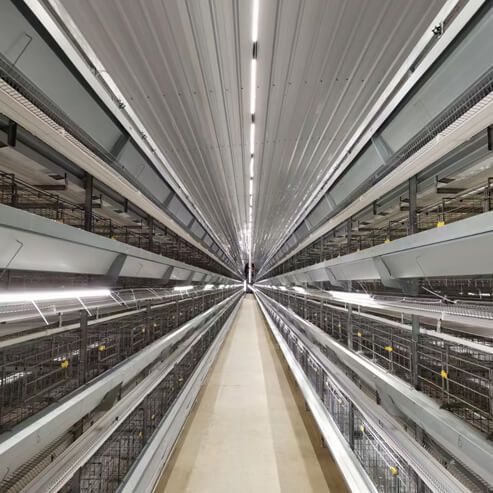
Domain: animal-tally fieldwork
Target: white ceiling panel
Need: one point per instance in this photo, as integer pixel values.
(184, 66)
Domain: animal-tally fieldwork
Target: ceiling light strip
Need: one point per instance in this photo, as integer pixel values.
(63, 30)
(418, 62)
(253, 102)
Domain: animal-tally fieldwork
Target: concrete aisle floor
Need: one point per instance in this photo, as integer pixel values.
(249, 431)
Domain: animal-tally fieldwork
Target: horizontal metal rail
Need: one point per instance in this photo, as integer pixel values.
(434, 253)
(468, 445)
(16, 193)
(466, 316)
(384, 427)
(19, 337)
(26, 236)
(60, 472)
(31, 438)
(472, 202)
(354, 474)
(455, 371)
(36, 371)
(146, 472)
(96, 306)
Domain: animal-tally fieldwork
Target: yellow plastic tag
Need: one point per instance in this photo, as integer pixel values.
(102, 348)
(64, 364)
(440, 224)
(389, 348)
(394, 470)
(444, 374)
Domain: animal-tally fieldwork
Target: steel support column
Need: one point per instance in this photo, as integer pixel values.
(3, 376)
(89, 185)
(413, 216)
(350, 326)
(351, 425)
(414, 351)
(148, 323)
(349, 233)
(349, 288)
(420, 485)
(12, 133)
(83, 348)
(150, 226)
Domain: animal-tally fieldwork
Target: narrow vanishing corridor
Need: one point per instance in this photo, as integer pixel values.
(246, 246)
(250, 431)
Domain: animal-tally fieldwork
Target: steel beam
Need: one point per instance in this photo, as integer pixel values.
(413, 206)
(56, 247)
(437, 478)
(12, 134)
(83, 348)
(414, 350)
(438, 252)
(31, 438)
(145, 473)
(464, 442)
(67, 466)
(115, 269)
(354, 474)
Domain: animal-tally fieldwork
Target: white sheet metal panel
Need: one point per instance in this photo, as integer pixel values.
(185, 68)
(465, 128)
(462, 248)
(31, 242)
(24, 47)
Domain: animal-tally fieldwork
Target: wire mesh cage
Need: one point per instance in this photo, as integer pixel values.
(38, 372)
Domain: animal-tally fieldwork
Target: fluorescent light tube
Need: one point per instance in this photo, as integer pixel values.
(353, 298)
(30, 296)
(182, 288)
(255, 20)
(252, 138)
(253, 86)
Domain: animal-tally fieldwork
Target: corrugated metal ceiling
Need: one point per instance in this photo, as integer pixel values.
(184, 66)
